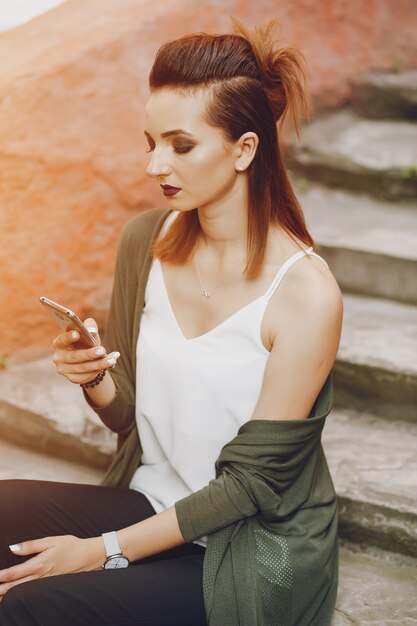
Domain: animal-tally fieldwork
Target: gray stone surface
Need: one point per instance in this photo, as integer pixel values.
(379, 333)
(361, 222)
(17, 462)
(40, 409)
(376, 368)
(387, 95)
(373, 464)
(370, 245)
(375, 590)
(341, 149)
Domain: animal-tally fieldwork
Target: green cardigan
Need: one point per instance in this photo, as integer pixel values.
(270, 514)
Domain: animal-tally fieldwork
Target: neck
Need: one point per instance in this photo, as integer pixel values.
(223, 232)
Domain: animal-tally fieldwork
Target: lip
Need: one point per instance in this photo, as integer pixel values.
(170, 191)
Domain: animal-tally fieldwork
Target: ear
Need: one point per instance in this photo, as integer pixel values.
(246, 147)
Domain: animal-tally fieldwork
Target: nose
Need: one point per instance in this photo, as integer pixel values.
(157, 166)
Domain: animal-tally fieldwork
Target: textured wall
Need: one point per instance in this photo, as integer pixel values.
(73, 84)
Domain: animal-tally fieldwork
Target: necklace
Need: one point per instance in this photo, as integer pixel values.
(204, 292)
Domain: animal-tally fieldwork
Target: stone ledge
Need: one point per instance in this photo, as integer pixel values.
(376, 369)
(374, 470)
(386, 95)
(375, 589)
(24, 464)
(343, 150)
(42, 410)
(370, 245)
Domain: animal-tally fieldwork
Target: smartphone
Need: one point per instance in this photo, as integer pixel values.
(68, 320)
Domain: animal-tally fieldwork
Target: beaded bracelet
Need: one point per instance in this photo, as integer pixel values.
(96, 381)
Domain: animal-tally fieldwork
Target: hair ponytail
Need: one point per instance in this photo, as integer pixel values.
(282, 72)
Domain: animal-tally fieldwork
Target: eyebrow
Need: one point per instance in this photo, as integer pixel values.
(168, 133)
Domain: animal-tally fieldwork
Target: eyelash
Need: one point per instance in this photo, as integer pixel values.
(177, 150)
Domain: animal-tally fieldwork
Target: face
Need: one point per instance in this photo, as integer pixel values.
(187, 153)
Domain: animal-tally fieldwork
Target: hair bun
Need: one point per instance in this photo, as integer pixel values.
(282, 71)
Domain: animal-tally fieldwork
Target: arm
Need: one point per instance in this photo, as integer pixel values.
(294, 388)
(68, 554)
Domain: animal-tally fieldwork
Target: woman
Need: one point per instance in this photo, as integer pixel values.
(220, 494)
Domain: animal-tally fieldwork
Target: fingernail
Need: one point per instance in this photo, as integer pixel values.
(74, 335)
(111, 361)
(100, 351)
(115, 355)
(92, 329)
(15, 547)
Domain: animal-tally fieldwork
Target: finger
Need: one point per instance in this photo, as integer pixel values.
(65, 340)
(35, 546)
(82, 355)
(27, 568)
(85, 372)
(92, 326)
(83, 367)
(7, 586)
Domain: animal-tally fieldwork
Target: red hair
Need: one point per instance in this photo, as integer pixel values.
(252, 86)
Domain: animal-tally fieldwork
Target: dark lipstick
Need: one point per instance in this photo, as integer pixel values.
(169, 190)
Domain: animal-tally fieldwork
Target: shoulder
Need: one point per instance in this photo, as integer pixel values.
(311, 286)
(306, 323)
(309, 302)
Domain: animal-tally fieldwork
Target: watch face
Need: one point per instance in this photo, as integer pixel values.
(116, 562)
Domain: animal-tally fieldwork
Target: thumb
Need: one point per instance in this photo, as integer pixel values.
(92, 327)
(28, 547)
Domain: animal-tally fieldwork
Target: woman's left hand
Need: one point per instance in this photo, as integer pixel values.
(63, 554)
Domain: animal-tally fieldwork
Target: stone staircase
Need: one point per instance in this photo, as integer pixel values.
(355, 176)
(355, 172)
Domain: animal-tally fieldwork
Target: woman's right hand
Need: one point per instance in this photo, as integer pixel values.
(81, 365)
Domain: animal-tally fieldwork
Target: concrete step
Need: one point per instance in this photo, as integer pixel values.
(376, 366)
(386, 95)
(375, 589)
(22, 463)
(370, 245)
(373, 464)
(342, 150)
(43, 411)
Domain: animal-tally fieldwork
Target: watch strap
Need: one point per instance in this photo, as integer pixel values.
(111, 544)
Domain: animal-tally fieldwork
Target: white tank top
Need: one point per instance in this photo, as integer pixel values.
(193, 395)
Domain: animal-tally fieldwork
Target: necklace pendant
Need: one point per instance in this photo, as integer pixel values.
(205, 293)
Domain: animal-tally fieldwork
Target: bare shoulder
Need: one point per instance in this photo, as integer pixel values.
(305, 321)
(308, 296)
(311, 286)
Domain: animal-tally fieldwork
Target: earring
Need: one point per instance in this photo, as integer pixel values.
(240, 168)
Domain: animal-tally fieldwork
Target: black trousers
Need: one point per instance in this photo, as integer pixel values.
(164, 589)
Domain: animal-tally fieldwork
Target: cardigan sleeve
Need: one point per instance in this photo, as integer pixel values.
(268, 468)
(133, 262)
(119, 415)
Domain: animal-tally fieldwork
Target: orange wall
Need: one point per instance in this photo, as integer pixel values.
(73, 84)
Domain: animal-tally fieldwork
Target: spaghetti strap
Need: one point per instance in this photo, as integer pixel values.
(285, 267)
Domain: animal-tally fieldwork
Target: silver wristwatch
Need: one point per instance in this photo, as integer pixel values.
(114, 556)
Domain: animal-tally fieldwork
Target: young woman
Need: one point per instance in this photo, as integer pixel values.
(216, 373)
